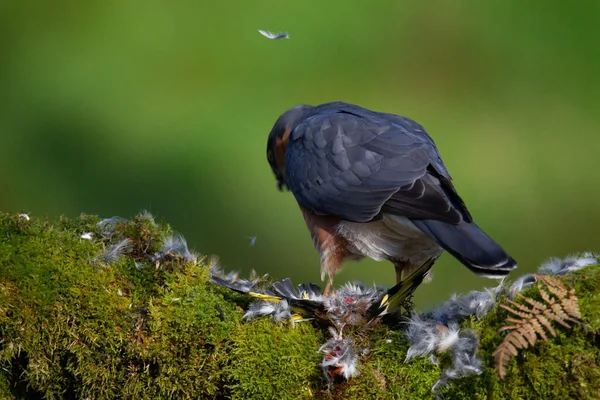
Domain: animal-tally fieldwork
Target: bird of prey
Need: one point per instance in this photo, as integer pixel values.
(373, 184)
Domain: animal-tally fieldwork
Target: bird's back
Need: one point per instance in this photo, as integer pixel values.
(359, 165)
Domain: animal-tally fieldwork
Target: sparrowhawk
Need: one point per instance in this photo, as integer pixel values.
(372, 184)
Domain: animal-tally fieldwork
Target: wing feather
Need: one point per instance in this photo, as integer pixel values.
(354, 163)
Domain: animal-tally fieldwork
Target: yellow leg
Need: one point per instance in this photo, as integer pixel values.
(328, 287)
(399, 267)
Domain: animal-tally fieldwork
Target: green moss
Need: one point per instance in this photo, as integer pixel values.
(73, 326)
(274, 361)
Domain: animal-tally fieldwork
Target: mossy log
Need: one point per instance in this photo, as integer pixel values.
(84, 318)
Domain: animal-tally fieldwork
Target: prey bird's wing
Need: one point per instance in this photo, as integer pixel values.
(353, 163)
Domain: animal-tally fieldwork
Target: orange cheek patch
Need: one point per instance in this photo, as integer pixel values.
(280, 147)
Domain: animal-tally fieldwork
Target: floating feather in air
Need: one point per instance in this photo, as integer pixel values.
(274, 36)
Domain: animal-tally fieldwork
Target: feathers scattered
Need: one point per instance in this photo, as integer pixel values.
(480, 303)
(427, 336)
(302, 292)
(146, 216)
(448, 338)
(115, 234)
(108, 226)
(25, 216)
(232, 280)
(465, 361)
(175, 246)
(473, 303)
(274, 36)
(278, 311)
(422, 335)
(556, 266)
(352, 305)
(357, 289)
(522, 283)
(115, 251)
(340, 358)
(430, 334)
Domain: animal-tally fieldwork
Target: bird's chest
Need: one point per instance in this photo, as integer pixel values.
(392, 237)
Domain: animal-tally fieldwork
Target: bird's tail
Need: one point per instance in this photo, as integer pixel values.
(471, 246)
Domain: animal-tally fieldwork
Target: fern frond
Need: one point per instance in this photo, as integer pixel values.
(529, 333)
(534, 303)
(518, 306)
(558, 304)
(537, 324)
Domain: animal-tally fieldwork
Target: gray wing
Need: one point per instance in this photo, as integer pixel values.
(355, 164)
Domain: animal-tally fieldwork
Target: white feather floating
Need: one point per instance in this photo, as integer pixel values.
(274, 36)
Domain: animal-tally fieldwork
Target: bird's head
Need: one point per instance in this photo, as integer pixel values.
(278, 140)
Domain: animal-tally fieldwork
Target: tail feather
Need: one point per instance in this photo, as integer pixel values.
(471, 246)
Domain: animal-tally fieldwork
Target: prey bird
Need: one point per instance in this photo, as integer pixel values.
(373, 184)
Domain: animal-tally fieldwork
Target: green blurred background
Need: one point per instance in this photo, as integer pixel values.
(112, 107)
